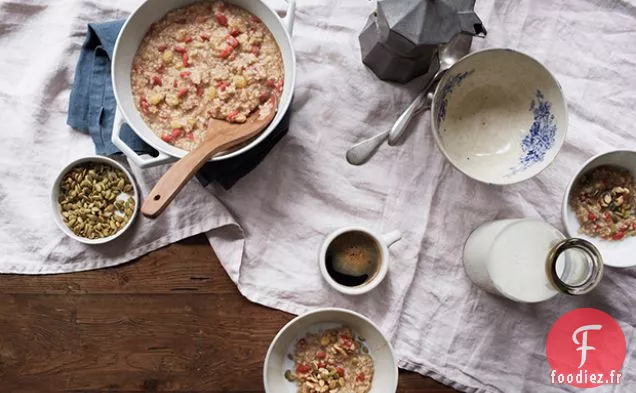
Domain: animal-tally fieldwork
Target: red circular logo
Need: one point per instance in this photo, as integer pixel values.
(585, 348)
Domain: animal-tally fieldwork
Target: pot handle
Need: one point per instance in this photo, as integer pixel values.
(130, 153)
(288, 19)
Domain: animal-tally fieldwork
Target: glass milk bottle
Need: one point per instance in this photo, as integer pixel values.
(528, 260)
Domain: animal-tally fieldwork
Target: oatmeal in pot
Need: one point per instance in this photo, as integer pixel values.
(331, 361)
(205, 60)
(604, 201)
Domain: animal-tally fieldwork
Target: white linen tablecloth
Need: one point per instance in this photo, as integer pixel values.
(439, 323)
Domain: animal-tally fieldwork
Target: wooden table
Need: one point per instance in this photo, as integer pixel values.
(171, 321)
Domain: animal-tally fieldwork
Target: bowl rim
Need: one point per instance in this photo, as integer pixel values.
(441, 147)
(55, 193)
(284, 106)
(298, 318)
(569, 231)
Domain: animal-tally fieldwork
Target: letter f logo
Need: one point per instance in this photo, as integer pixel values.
(584, 347)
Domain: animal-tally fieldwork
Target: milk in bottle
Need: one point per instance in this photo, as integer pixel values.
(528, 260)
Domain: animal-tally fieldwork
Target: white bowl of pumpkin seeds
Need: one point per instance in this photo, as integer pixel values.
(95, 199)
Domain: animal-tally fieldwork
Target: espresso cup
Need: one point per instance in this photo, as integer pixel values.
(381, 252)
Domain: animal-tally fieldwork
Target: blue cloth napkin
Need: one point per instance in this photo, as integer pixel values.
(92, 110)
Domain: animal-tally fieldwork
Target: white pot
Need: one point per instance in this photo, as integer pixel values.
(130, 37)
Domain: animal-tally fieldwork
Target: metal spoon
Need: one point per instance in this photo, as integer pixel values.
(361, 152)
(448, 55)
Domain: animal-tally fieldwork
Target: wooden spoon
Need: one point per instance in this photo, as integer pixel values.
(221, 136)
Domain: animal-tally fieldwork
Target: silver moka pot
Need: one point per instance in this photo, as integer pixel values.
(401, 36)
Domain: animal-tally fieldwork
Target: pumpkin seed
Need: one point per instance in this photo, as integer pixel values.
(88, 200)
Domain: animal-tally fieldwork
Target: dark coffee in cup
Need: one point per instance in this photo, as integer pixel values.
(353, 258)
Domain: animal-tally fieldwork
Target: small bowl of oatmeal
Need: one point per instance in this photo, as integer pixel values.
(94, 200)
(599, 205)
(327, 351)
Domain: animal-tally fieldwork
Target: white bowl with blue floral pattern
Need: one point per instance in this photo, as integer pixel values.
(499, 116)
